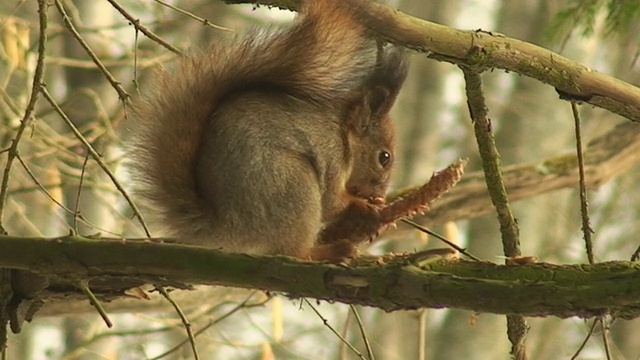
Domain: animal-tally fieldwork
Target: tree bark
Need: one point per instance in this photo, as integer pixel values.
(391, 283)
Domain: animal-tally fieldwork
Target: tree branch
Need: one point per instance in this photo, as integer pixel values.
(509, 231)
(606, 157)
(400, 283)
(485, 50)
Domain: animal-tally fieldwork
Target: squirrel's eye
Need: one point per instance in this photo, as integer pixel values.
(384, 158)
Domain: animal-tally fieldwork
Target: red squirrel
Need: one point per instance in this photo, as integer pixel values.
(258, 144)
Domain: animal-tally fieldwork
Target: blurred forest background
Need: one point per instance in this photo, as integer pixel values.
(52, 181)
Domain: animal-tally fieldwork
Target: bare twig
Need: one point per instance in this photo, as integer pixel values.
(150, 34)
(76, 211)
(605, 336)
(586, 339)
(587, 231)
(365, 338)
(204, 21)
(122, 93)
(28, 114)
(441, 238)
(342, 352)
(342, 339)
(244, 305)
(41, 187)
(86, 64)
(141, 332)
(509, 231)
(183, 318)
(84, 285)
(491, 163)
(94, 154)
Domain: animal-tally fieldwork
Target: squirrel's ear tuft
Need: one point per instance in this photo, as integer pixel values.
(380, 100)
(380, 89)
(387, 78)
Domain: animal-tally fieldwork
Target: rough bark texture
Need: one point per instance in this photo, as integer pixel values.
(401, 282)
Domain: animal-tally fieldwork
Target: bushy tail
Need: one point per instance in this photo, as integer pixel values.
(325, 54)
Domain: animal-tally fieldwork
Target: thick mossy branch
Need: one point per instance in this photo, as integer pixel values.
(403, 283)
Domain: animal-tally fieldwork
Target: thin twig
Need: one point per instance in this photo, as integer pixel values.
(94, 154)
(41, 186)
(28, 113)
(584, 202)
(116, 63)
(138, 332)
(365, 338)
(204, 21)
(84, 285)
(242, 305)
(77, 205)
(122, 93)
(11, 103)
(441, 238)
(586, 339)
(136, 23)
(342, 352)
(605, 337)
(183, 318)
(326, 323)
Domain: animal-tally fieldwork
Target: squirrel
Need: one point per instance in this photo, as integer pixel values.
(259, 144)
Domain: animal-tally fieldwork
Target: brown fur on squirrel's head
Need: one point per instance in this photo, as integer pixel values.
(372, 135)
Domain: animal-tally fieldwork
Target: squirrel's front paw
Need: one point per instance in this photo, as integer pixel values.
(359, 222)
(337, 251)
